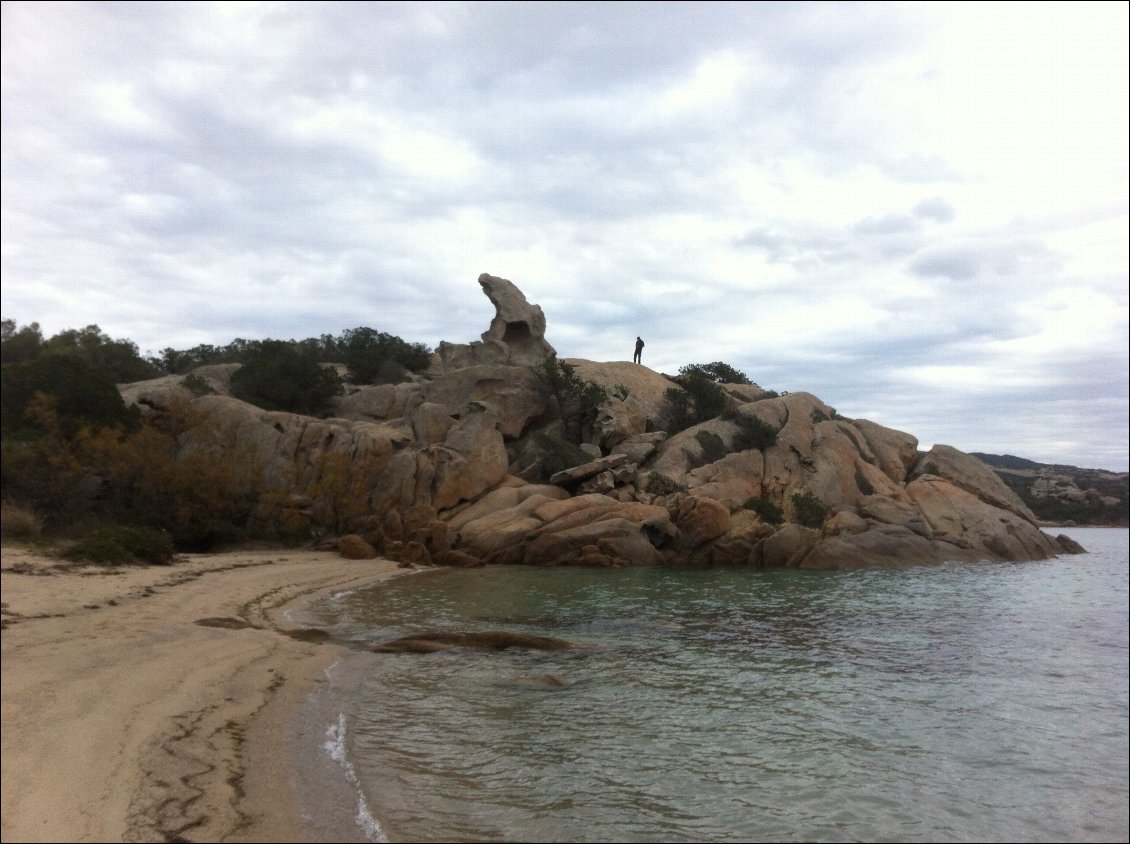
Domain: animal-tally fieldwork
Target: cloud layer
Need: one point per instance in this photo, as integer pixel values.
(917, 212)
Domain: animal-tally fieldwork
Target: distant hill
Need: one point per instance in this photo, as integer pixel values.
(1065, 495)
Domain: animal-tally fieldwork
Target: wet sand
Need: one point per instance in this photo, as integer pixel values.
(159, 703)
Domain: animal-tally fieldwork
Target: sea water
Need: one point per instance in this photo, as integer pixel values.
(964, 702)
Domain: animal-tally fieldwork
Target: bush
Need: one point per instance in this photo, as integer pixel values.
(809, 510)
(712, 446)
(19, 523)
(579, 400)
(753, 433)
(120, 545)
(563, 381)
(559, 454)
(59, 393)
(697, 398)
(19, 345)
(718, 372)
(41, 472)
(284, 378)
(117, 360)
(659, 484)
(186, 477)
(767, 511)
(680, 409)
(197, 385)
(366, 353)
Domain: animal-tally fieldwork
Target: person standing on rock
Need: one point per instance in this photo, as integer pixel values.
(639, 351)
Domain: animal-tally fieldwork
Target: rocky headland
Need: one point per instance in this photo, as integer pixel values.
(462, 465)
(1065, 495)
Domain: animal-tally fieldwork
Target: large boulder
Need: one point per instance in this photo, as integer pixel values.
(962, 519)
(895, 452)
(516, 336)
(544, 530)
(968, 473)
(380, 402)
(887, 546)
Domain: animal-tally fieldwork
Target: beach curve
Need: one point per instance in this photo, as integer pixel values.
(155, 703)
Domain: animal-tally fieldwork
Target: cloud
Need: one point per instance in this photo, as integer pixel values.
(876, 204)
(935, 209)
(965, 259)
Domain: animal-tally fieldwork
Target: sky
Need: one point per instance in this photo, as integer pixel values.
(917, 212)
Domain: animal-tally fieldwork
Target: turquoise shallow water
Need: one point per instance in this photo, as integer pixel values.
(981, 702)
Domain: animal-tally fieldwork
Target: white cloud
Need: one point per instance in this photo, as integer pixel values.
(876, 204)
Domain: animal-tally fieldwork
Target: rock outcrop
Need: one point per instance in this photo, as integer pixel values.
(516, 336)
(464, 466)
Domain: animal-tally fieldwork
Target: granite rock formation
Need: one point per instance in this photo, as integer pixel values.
(453, 468)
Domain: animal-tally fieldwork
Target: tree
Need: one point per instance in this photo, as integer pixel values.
(79, 393)
(280, 377)
(118, 360)
(367, 353)
(579, 400)
(19, 345)
(697, 398)
(718, 372)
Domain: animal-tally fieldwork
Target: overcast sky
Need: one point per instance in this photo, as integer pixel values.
(917, 212)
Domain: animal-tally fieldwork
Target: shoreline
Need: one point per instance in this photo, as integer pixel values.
(162, 702)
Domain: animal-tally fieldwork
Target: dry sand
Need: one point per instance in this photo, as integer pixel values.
(126, 719)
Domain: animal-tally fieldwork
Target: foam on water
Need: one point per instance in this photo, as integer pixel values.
(335, 748)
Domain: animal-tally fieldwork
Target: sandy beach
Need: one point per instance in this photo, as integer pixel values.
(156, 703)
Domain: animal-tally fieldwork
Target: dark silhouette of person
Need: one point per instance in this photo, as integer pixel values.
(639, 351)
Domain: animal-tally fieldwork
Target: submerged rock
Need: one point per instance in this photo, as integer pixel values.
(490, 640)
(542, 682)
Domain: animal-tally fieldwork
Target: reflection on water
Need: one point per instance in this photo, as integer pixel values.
(982, 702)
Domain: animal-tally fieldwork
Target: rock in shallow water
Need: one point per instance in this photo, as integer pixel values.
(491, 640)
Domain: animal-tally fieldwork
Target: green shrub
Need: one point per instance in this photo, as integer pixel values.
(283, 377)
(42, 472)
(19, 345)
(60, 393)
(697, 398)
(659, 484)
(680, 408)
(367, 352)
(121, 545)
(808, 509)
(579, 400)
(718, 372)
(563, 380)
(766, 510)
(559, 454)
(753, 433)
(712, 446)
(197, 385)
(19, 523)
(117, 360)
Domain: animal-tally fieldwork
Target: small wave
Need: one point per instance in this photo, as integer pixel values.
(335, 749)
